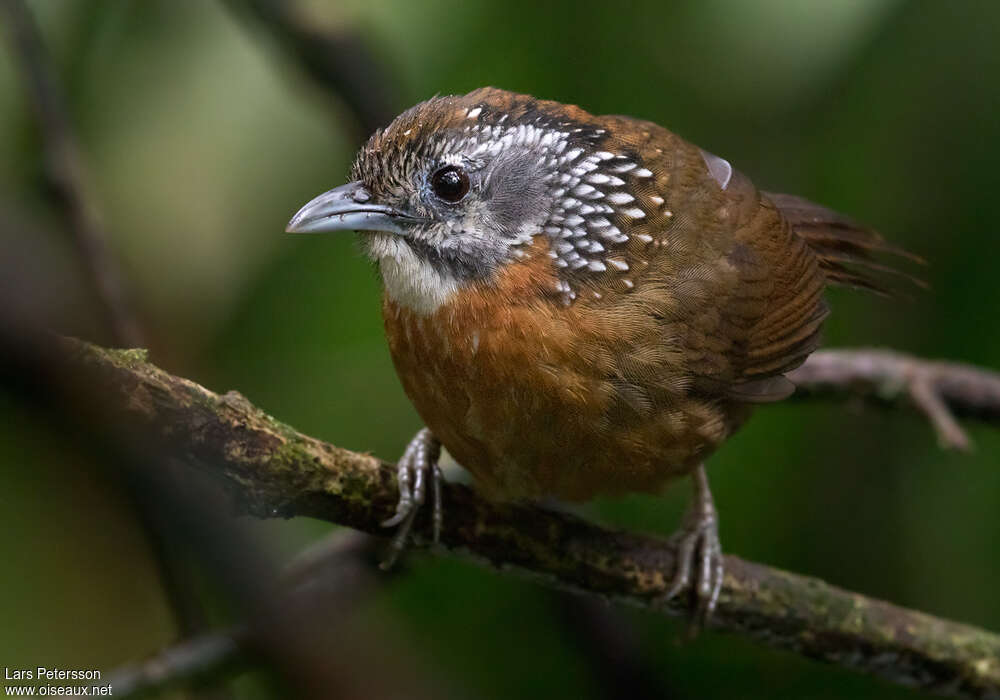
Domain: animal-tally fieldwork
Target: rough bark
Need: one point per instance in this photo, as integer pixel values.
(271, 470)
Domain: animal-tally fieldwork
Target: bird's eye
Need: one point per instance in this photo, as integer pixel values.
(450, 183)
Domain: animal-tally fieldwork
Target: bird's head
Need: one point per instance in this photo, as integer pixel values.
(457, 187)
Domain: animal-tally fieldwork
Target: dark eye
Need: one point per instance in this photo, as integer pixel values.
(450, 183)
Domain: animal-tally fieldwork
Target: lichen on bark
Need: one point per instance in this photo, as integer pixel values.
(271, 470)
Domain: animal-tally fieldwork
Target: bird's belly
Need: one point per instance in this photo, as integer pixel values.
(531, 417)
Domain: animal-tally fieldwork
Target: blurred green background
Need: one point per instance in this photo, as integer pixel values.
(203, 137)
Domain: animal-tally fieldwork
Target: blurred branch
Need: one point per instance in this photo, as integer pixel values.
(939, 390)
(271, 470)
(338, 61)
(331, 575)
(209, 655)
(64, 171)
(611, 651)
(65, 175)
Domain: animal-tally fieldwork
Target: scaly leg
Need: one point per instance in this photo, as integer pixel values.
(699, 550)
(418, 463)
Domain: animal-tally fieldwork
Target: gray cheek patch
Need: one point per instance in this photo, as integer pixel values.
(719, 168)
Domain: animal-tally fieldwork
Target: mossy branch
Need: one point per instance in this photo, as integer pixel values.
(271, 470)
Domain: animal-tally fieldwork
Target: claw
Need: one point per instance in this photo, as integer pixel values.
(403, 468)
(698, 548)
(419, 461)
(438, 511)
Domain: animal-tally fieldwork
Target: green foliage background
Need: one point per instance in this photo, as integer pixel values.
(203, 138)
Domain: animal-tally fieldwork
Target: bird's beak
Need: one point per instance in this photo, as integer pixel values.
(349, 207)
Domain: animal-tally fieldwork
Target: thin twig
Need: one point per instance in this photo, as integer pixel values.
(332, 574)
(270, 470)
(204, 656)
(939, 390)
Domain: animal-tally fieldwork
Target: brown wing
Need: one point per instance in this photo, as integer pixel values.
(846, 249)
(749, 296)
(735, 277)
(800, 247)
(773, 263)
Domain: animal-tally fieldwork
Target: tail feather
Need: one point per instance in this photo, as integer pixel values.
(845, 248)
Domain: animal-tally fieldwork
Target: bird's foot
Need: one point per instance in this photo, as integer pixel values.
(417, 466)
(699, 553)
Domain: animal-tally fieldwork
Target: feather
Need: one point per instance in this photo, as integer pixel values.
(843, 247)
(764, 390)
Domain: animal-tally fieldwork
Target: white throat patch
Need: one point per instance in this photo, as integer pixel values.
(409, 281)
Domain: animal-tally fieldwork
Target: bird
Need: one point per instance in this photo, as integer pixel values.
(583, 305)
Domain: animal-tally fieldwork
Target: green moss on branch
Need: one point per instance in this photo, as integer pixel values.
(271, 470)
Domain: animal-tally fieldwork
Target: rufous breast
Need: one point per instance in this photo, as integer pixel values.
(541, 399)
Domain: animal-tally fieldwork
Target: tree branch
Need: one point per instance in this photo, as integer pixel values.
(271, 470)
(939, 390)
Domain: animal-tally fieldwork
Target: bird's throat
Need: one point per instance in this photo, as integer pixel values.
(410, 280)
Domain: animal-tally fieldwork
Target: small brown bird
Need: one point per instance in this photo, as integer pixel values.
(582, 305)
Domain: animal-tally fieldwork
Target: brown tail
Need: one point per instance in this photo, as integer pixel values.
(845, 248)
